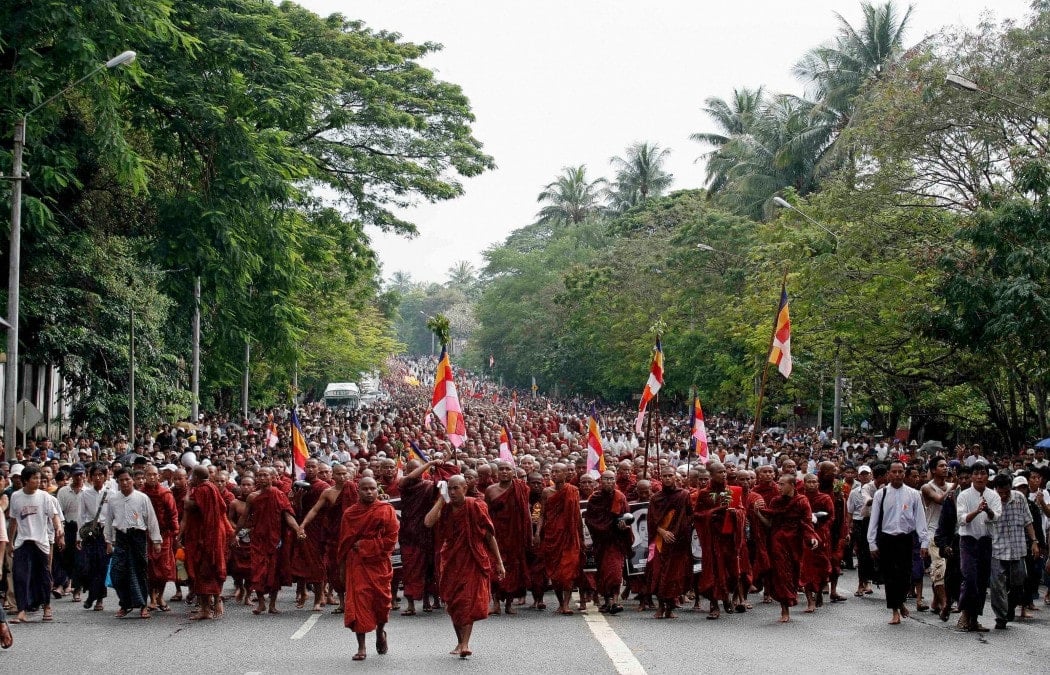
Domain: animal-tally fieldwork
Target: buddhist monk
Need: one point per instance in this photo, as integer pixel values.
(670, 528)
(508, 504)
(269, 512)
(307, 553)
(327, 513)
(206, 537)
(561, 535)
(533, 556)
(789, 519)
(612, 539)
(840, 526)
(468, 547)
(162, 563)
(816, 563)
(417, 541)
(239, 561)
(367, 537)
(718, 516)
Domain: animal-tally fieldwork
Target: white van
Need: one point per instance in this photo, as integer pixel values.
(342, 395)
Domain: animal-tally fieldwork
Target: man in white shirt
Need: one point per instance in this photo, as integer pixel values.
(130, 521)
(860, 497)
(94, 502)
(69, 500)
(897, 517)
(976, 507)
(32, 511)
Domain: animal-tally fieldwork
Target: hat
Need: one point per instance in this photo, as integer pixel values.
(17, 470)
(913, 444)
(84, 451)
(864, 468)
(169, 467)
(78, 469)
(1020, 481)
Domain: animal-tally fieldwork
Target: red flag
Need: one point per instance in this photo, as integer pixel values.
(699, 432)
(652, 385)
(780, 355)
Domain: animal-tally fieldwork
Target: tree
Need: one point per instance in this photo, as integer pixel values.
(639, 175)
(732, 120)
(570, 198)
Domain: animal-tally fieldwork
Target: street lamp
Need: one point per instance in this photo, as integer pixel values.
(783, 203)
(960, 82)
(14, 263)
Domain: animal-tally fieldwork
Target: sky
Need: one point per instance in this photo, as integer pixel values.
(557, 83)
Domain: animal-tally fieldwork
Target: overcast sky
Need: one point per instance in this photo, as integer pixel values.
(555, 83)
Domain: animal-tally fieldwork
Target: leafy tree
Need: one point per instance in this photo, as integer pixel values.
(640, 175)
(571, 198)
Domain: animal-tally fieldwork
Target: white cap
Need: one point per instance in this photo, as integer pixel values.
(17, 469)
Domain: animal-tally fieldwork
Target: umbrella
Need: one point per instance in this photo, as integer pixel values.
(931, 445)
(1045, 443)
(232, 426)
(188, 426)
(129, 458)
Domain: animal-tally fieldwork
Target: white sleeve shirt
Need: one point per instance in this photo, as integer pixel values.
(901, 513)
(981, 526)
(131, 512)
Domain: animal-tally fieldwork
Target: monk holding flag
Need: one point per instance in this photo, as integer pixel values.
(367, 537)
(508, 503)
(561, 535)
(468, 549)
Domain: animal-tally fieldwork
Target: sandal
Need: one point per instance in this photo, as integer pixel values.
(6, 637)
(164, 608)
(48, 616)
(381, 645)
(121, 613)
(357, 657)
(144, 614)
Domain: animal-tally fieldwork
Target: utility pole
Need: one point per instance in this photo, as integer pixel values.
(131, 380)
(195, 377)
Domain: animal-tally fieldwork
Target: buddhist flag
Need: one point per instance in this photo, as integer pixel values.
(652, 386)
(299, 452)
(271, 432)
(780, 355)
(445, 402)
(492, 361)
(414, 452)
(595, 451)
(505, 452)
(699, 432)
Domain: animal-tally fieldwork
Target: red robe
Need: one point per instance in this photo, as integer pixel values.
(513, 525)
(670, 565)
(207, 535)
(816, 564)
(162, 564)
(758, 541)
(721, 534)
(307, 555)
(562, 544)
(239, 560)
(464, 561)
(373, 527)
(333, 524)
(838, 527)
(791, 529)
(417, 540)
(268, 509)
(611, 544)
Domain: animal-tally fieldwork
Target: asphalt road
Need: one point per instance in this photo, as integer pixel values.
(844, 638)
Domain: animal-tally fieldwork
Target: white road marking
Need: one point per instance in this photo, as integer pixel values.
(305, 628)
(622, 657)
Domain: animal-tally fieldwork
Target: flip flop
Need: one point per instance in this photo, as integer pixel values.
(382, 646)
(358, 657)
(7, 638)
(164, 608)
(465, 653)
(409, 612)
(48, 616)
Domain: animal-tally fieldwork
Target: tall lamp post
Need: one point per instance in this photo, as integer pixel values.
(785, 204)
(965, 84)
(14, 263)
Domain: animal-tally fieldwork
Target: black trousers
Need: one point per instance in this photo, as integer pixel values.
(865, 565)
(895, 563)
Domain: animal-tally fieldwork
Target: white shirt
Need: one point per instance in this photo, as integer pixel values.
(32, 513)
(980, 526)
(902, 513)
(89, 499)
(131, 512)
(69, 500)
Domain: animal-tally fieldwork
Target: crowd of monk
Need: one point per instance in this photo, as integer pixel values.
(477, 535)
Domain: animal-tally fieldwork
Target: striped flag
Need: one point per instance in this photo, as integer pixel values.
(271, 432)
(415, 452)
(780, 355)
(699, 432)
(513, 414)
(595, 451)
(445, 402)
(652, 386)
(299, 451)
(505, 452)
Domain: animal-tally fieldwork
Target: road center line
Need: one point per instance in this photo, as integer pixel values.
(305, 628)
(622, 657)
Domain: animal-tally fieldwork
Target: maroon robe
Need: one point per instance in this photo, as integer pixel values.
(373, 529)
(162, 564)
(417, 540)
(268, 533)
(670, 565)
(464, 561)
(611, 544)
(307, 555)
(513, 527)
(791, 529)
(562, 541)
(816, 563)
(720, 530)
(206, 538)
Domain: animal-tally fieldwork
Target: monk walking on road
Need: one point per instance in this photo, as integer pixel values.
(468, 547)
(508, 502)
(561, 535)
(367, 537)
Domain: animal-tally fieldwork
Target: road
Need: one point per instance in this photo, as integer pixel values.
(844, 638)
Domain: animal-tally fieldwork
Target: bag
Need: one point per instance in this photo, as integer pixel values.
(91, 531)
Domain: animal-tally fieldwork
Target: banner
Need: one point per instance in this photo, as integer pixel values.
(640, 553)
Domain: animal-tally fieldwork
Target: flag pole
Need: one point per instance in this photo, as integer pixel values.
(648, 431)
(765, 372)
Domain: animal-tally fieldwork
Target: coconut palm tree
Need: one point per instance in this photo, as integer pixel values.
(639, 175)
(732, 119)
(571, 198)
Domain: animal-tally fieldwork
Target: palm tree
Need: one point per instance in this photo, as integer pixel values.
(639, 175)
(732, 119)
(462, 275)
(571, 198)
(838, 71)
